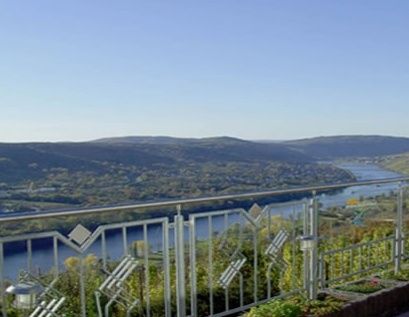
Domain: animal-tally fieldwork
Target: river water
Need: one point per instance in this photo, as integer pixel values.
(42, 256)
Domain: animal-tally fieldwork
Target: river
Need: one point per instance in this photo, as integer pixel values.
(43, 251)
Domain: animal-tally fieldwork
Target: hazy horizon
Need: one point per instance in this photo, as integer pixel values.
(77, 71)
(202, 137)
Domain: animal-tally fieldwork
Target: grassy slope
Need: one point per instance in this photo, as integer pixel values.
(398, 163)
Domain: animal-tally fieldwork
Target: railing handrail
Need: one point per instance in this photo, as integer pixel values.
(191, 201)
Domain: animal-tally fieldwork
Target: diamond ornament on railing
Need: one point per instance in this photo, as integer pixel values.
(114, 285)
(232, 270)
(48, 309)
(255, 211)
(79, 235)
(276, 246)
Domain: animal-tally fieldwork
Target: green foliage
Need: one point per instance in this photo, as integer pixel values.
(276, 308)
(402, 275)
(323, 305)
(399, 163)
(364, 287)
(297, 306)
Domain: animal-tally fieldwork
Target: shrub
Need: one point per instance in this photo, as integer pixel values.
(323, 305)
(276, 308)
(402, 275)
(364, 287)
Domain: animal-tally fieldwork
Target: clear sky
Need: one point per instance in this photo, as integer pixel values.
(256, 69)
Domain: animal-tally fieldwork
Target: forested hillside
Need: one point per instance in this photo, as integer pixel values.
(60, 175)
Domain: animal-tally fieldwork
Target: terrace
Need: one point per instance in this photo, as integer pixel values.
(217, 256)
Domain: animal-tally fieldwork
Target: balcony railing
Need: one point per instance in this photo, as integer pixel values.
(103, 262)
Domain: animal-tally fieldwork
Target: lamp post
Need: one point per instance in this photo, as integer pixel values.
(25, 295)
(308, 243)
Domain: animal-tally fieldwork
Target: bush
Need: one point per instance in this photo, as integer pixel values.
(364, 287)
(402, 275)
(298, 306)
(276, 308)
(323, 305)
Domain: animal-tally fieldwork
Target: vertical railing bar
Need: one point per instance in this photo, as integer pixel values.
(404, 227)
(313, 258)
(255, 264)
(368, 248)
(29, 256)
(240, 230)
(241, 290)
(226, 299)
(280, 278)
(56, 259)
(384, 257)
(226, 290)
(294, 251)
(146, 264)
(393, 247)
(82, 287)
(193, 286)
(322, 273)
(269, 281)
(180, 263)
(306, 219)
(166, 267)
(3, 296)
(125, 240)
(360, 258)
(305, 252)
(104, 250)
(398, 230)
(331, 269)
(210, 260)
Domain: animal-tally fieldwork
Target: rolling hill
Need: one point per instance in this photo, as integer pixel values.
(339, 147)
(25, 161)
(113, 170)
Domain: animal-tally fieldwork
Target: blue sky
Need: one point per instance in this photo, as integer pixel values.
(256, 69)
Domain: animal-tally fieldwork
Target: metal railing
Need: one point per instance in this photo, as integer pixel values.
(212, 263)
(355, 260)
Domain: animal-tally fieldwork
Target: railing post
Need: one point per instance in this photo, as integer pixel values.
(180, 263)
(306, 255)
(82, 287)
(311, 251)
(2, 284)
(399, 232)
(321, 273)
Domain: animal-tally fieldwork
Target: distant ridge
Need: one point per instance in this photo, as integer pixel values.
(142, 139)
(165, 140)
(21, 161)
(325, 147)
(332, 147)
